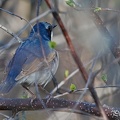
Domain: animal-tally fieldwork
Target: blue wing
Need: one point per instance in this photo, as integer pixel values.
(25, 54)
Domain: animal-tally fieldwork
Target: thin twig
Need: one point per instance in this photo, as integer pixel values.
(94, 8)
(11, 33)
(64, 81)
(90, 80)
(11, 13)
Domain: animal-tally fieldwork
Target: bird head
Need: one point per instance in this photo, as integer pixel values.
(45, 29)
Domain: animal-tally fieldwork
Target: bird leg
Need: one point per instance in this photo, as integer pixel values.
(32, 94)
(42, 88)
(55, 83)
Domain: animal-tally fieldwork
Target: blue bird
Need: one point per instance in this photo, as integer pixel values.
(33, 61)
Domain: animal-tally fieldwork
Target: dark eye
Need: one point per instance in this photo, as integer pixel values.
(49, 29)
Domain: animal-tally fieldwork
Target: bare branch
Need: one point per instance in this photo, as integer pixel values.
(11, 33)
(57, 104)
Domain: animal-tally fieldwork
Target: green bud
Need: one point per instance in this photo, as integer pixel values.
(70, 3)
(104, 77)
(72, 87)
(66, 73)
(24, 96)
(97, 9)
(52, 44)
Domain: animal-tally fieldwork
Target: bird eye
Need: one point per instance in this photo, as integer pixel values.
(49, 29)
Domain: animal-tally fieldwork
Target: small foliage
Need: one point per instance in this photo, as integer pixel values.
(24, 96)
(52, 44)
(104, 77)
(97, 9)
(66, 73)
(70, 3)
(72, 87)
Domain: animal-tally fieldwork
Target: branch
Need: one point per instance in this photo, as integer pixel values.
(11, 33)
(56, 104)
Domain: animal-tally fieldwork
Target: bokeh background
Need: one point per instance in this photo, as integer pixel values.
(88, 41)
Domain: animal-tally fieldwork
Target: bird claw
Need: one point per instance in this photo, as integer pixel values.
(32, 99)
(49, 98)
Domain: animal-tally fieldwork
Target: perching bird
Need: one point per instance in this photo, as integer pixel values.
(33, 61)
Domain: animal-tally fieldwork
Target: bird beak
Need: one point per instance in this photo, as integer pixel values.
(53, 26)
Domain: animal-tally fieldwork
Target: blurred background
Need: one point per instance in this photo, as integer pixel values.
(89, 42)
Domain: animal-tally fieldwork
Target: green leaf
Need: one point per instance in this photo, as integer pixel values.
(70, 3)
(104, 77)
(66, 73)
(72, 87)
(97, 9)
(52, 44)
(24, 96)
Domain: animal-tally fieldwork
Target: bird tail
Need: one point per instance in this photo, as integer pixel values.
(6, 86)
